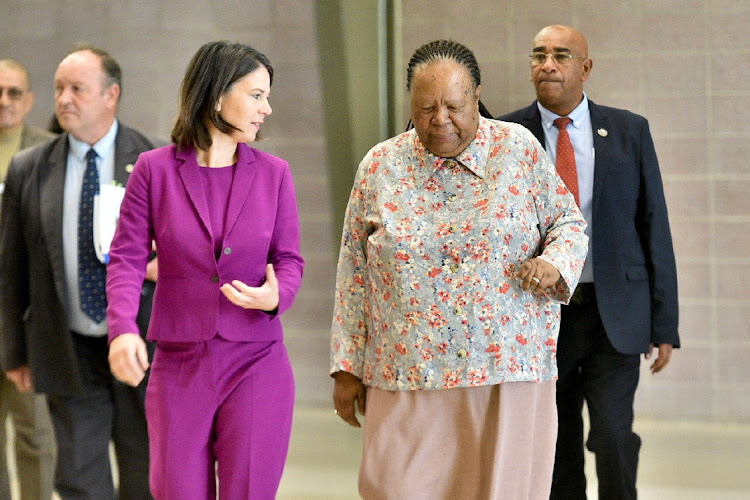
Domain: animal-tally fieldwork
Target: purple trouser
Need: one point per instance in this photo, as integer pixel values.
(219, 409)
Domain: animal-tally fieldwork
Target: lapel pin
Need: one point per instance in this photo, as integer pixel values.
(602, 132)
(129, 166)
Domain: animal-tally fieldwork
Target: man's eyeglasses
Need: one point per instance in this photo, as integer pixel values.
(562, 58)
(14, 93)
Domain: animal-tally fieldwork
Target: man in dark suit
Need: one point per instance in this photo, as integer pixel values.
(34, 437)
(53, 336)
(626, 302)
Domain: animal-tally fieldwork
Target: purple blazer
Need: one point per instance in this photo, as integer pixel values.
(165, 202)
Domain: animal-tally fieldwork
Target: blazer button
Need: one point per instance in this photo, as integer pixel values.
(461, 353)
(454, 267)
(227, 251)
(214, 279)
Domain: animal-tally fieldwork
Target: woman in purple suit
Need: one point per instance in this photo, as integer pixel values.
(223, 217)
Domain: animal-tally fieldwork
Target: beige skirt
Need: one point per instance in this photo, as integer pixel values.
(492, 442)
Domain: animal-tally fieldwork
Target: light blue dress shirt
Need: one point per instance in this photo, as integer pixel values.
(582, 137)
(105, 149)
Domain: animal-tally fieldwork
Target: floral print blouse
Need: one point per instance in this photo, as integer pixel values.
(426, 293)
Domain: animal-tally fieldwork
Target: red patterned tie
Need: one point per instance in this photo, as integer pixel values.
(566, 158)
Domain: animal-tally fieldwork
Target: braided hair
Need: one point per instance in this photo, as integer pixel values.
(446, 49)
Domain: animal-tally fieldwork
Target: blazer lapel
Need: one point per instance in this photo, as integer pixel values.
(534, 123)
(51, 192)
(600, 128)
(125, 156)
(190, 174)
(243, 179)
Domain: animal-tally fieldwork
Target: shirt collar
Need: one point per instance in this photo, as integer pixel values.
(474, 157)
(577, 115)
(102, 147)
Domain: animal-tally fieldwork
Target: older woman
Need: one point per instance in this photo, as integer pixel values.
(460, 242)
(224, 219)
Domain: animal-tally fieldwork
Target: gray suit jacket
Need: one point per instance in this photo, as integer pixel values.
(30, 136)
(34, 135)
(33, 324)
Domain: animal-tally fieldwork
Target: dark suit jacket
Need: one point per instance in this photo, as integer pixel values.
(33, 324)
(635, 275)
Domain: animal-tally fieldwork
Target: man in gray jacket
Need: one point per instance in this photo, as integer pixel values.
(35, 439)
(53, 336)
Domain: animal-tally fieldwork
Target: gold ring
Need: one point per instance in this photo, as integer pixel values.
(536, 280)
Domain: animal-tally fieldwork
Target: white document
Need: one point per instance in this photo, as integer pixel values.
(106, 214)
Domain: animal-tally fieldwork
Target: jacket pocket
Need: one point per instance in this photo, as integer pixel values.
(636, 273)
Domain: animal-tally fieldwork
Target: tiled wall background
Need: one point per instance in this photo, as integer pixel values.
(684, 64)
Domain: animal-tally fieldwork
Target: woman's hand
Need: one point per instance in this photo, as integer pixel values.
(264, 297)
(128, 358)
(346, 390)
(537, 275)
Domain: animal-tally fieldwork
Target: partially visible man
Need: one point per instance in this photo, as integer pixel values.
(53, 336)
(626, 301)
(35, 440)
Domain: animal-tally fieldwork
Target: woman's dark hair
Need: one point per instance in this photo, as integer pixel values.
(210, 74)
(446, 49)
